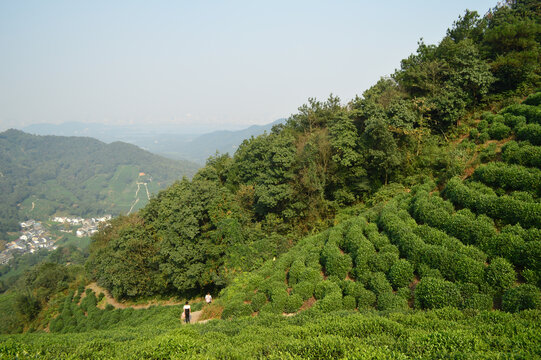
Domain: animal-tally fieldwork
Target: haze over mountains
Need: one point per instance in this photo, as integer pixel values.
(172, 142)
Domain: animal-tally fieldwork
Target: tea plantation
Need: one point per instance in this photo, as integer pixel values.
(429, 273)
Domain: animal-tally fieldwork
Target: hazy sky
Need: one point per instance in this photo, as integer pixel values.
(201, 64)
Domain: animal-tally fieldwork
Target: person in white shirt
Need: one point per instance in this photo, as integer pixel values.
(208, 298)
(187, 310)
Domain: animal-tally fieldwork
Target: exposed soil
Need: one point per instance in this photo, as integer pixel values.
(308, 304)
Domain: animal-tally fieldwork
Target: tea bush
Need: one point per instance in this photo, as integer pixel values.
(304, 289)
(433, 293)
(293, 303)
(520, 298)
(506, 208)
(533, 99)
(500, 275)
(530, 112)
(499, 131)
(258, 300)
(522, 153)
(531, 133)
(366, 299)
(401, 273)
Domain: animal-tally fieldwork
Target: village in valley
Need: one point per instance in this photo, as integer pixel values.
(34, 235)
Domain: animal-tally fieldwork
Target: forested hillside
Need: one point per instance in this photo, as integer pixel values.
(45, 175)
(405, 223)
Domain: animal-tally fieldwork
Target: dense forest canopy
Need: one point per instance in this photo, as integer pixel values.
(73, 176)
(241, 210)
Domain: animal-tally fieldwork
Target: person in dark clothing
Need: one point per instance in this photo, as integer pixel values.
(187, 310)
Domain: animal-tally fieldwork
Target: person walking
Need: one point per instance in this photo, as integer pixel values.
(187, 310)
(208, 298)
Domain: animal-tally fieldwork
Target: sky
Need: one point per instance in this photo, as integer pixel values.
(201, 65)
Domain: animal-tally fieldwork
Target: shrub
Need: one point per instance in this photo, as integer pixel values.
(499, 131)
(484, 137)
(523, 154)
(483, 124)
(514, 121)
(531, 133)
(500, 275)
(271, 286)
(258, 300)
(293, 303)
(474, 134)
(311, 275)
(426, 271)
(272, 308)
(295, 271)
(437, 237)
(354, 236)
(520, 298)
(531, 277)
(236, 309)
(349, 302)
(401, 273)
(433, 293)
(479, 302)
(379, 284)
(530, 255)
(366, 300)
(531, 113)
(330, 302)
(389, 301)
(339, 265)
(278, 299)
(324, 288)
(533, 99)
(506, 208)
(353, 288)
(511, 177)
(467, 269)
(381, 261)
(304, 289)
(405, 293)
(505, 244)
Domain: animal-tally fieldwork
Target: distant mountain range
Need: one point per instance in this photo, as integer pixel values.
(45, 175)
(171, 143)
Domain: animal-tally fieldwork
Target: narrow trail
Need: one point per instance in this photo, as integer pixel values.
(132, 205)
(195, 316)
(137, 194)
(111, 300)
(148, 194)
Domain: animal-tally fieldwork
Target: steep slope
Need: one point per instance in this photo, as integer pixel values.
(474, 245)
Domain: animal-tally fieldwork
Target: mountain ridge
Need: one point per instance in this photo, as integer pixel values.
(70, 174)
(172, 144)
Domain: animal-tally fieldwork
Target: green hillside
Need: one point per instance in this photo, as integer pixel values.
(404, 224)
(47, 175)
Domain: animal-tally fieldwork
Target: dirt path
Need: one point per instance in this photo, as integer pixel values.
(111, 300)
(118, 305)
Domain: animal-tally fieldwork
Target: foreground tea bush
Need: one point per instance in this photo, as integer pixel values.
(443, 333)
